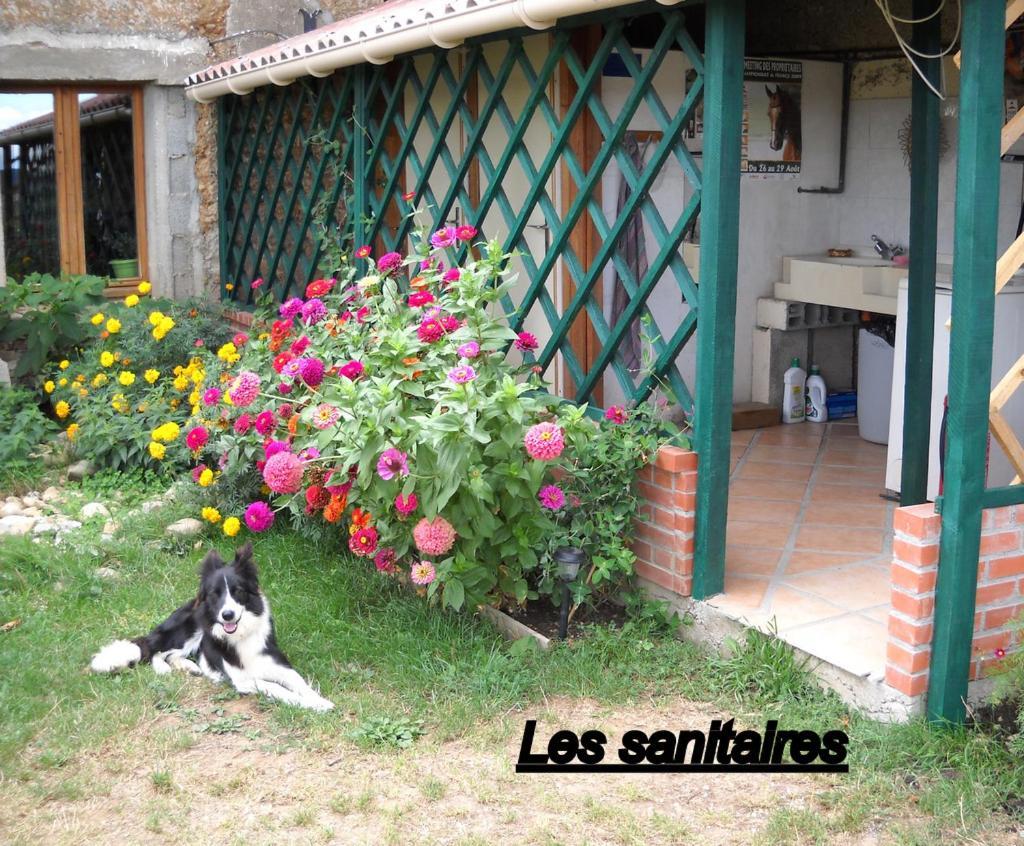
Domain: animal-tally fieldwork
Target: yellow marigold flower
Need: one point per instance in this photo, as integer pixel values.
(158, 451)
(126, 377)
(131, 300)
(159, 334)
(180, 383)
(97, 318)
(113, 326)
(206, 478)
(141, 408)
(117, 356)
(63, 382)
(155, 317)
(72, 431)
(211, 515)
(175, 402)
(229, 287)
(193, 398)
(197, 376)
(228, 353)
(145, 287)
(83, 393)
(178, 370)
(263, 336)
(80, 377)
(167, 324)
(99, 380)
(151, 375)
(231, 526)
(166, 432)
(64, 365)
(106, 358)
(62, 409)
(48, 386)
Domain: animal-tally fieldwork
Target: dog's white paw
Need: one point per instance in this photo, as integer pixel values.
(320, 704)
(119, 655)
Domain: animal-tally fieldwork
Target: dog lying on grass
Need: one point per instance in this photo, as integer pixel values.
(225, 633)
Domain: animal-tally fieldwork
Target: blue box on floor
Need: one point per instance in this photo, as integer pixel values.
(842, 404)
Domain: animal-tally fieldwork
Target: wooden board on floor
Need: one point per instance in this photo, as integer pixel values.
(754, 415)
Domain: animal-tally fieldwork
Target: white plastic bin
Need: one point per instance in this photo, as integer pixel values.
(874, 386)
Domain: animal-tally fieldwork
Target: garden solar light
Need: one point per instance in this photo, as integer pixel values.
(568, 560)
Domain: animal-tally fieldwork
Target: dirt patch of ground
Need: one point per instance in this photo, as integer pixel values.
(219, 774)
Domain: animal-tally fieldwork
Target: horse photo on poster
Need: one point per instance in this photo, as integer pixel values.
(772, 142)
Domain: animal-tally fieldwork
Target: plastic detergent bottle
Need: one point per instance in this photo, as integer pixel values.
(793, 384)
(816, 406)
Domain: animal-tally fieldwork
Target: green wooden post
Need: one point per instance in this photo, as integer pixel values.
(970, 353)
(222, 188)
(360, 121)
(716, 295)
(924, 213)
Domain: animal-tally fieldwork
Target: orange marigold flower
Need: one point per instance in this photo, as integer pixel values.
(293, 424)
(104, 334)
(411, 360)
(335, 508)
(418, 282)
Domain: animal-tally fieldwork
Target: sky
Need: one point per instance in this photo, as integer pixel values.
(15, 108)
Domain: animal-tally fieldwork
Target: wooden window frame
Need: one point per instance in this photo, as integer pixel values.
(67, 141)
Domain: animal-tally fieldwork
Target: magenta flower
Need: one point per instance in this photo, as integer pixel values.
(551, 497)
(462, 374)
(364, 541)
(422, 574)
(526, 341)
(198, 471)
(211, 396)
(265, 422)
(444, 237)
(313, 311)
(420, 298)
(325, 415)
(544, 442)
(283, 473)
(284, 388)
(259, 516)
(392, 463)
(244, 389)
(312, 371)
(196, 438)
(353, 370)
(272, 448)
(470, 349)
(388, 262)
(450, 276)
(384, 560)
(465, 233)
(290, 308)
(292, 369)
(406, 505)
(256, 283)
(616, 414)
(300, 345)
(243, 424)
(364, 251)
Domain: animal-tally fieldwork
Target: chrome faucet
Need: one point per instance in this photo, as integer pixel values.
(884, 250)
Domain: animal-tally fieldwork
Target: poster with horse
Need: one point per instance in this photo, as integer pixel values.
(771, 121)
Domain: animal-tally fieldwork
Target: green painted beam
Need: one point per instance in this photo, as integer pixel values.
(1007, 495)
(924, 217)
(719, 251)
(970, 353)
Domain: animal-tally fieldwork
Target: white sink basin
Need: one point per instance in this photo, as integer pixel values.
(866, 283)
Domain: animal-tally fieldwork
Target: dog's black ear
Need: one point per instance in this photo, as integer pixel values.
(244, 563)
(210, 565)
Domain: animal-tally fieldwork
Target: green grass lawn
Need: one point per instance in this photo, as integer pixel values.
(396, 667)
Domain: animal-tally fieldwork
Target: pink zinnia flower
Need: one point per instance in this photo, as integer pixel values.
(420, 298)
(256, 284)
(616, 414)
(325, 415)
(392, 463)
(406, 505)
(244, 389)
(470, 349)
(364, 251)
(465, 233)
(265, 422)
(198, 471)
(196, 438)
(551, 497)
(433, 537)
(363, 542)
(422, 574)
(290, 308)
(363, 314)
(462, 374)
(259, 516)
(384, 560)
(239, 339)
(243, 424)
(283, 473)
(313, 311)
(526, 341)
(211, 396)
(389, 261)
(272, 448)
(450, 276)
(298, 347)
(312, 371)
(284, 388)
(444, 237)
(353, 370)
(544, 442)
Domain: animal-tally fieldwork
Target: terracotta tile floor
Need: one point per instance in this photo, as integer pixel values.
(809, 541)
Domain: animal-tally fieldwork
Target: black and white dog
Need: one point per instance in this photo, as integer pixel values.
(228, 629)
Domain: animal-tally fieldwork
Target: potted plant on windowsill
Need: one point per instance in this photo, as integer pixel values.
(123, 244)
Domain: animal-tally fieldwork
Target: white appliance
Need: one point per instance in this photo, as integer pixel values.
(1007, 347)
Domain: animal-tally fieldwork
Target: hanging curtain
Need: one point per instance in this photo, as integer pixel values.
(632, 248)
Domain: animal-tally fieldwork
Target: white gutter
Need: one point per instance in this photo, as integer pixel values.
(377, 39)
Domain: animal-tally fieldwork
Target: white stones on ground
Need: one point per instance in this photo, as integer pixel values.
(32, 511)
(152, 505)
(94, 509)
(110, 527)
(106, 573)
(10, 508)
(32, 500)
(51, 494)
(80, 469)
(185, 528)
(55, 525)
(16, 524)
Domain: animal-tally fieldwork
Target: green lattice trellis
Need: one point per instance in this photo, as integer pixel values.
(413, 134)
